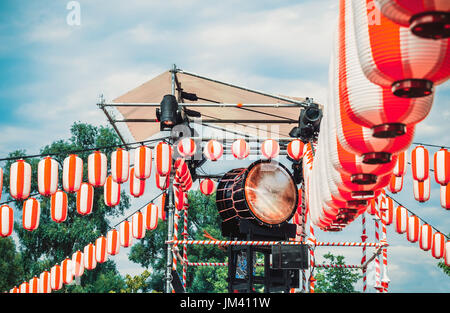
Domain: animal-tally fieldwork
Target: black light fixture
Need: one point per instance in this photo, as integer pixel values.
(308, 123)
(168, 113)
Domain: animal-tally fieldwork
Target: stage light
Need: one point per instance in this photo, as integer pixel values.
(308, 123)
(169, 114)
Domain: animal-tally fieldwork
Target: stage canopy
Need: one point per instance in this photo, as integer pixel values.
(222, 105)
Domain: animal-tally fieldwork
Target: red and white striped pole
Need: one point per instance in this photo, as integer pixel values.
(378, 286)
(175, 238)
(385, 279)
(312, 244)
(363, 260)
(185, 237)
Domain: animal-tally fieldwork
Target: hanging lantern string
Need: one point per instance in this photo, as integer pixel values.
(430, 169)
(418, 216)
(14, 200)
(430, 145)
(81, 150)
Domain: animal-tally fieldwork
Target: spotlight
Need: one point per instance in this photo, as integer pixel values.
(168, 113)
(308, 123)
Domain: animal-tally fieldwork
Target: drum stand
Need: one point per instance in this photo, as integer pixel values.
(273, 279)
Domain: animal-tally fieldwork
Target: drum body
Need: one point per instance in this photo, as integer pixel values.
(265, 193)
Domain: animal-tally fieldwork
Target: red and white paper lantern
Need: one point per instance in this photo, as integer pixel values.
(24, 287)
(34, 285)
(400, 165)
(142, 162)
(90, 261)
(137, 186)
(78, 264)
(151, 216)
(58, 206)
(138, 225)
(213, 150)
(120, 165)
(395, 184)
(56, 281)
(100, 250)
(270, 148)
(421, 190)
(295, 149)
(113, 242)
(163, 158)
(413, 228)
(6, 220)
(85, 199)
(67, 271)
(186, 147)
(72, 173)
(445, 196)
(426, 237)
(111, 192)
(126, 240)
(240, 149)
(420, 163)
(44, 282)
(207, 186)
(401, 220)
(97, 168)
(447, 253)
(162, 182)
(47, 175)
(442, 167)
(31, 214)
(438, 245)
(20, 180)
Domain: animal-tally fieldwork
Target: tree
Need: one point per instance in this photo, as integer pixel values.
(11, 270)
(444, 267)
(51, 242)
(335, 280)
(151, 252)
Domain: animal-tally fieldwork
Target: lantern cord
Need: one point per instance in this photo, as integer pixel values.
(417, 216)
(14, 200)
(430, 145)
(80, 151)
(430, 169)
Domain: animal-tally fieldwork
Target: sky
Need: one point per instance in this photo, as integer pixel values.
(53, 71)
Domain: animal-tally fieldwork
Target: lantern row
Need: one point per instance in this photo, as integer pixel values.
(378, 91)
(93, 254)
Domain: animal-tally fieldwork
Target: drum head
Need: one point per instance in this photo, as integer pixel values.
(270, 192)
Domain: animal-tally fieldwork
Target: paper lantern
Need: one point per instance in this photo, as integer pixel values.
(447, 253)
(180, 199)
(442, 167)
(24, 287)
(396, 184)
(67, 271)
(270, 148)
(125, 237)
(137, 186)
(388, 215)
(1, 182)
(31, 214)
(44, 282)
(186, 147)
(97, 168)
(445, 196)
(400, 165)
(391, 56)
(72, 173)
(6, 220)
(213, 150)
(372, 208)
(421, 190)
(427, 19)
(425, 237)
(113, 242)
(163, 158)
(111, 192)
(142, 162)
(47, 175)
(100, 250)
(89, 259)
(162, 182)
(14, 290)
(151, 216)
(207, 186)
(34, 285)
(438, 245)
(138, 225)
(58, 206)
(77, 264)
(240, 149)
(412, 233)
(368, 104)
(56, 281)
(401, 220)
(295, 149)
(420, 163)
(120, 165)
(85, 199)
(20, 180)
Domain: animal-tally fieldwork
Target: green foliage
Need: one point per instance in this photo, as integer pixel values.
(52, 242)
(151, 252)
(444, 267)
(137, 283)
(10, 265)
(335, 280)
